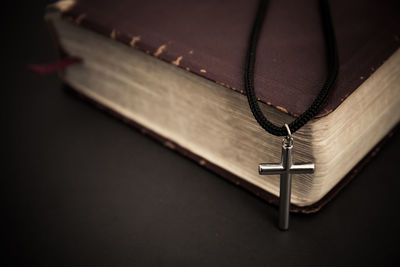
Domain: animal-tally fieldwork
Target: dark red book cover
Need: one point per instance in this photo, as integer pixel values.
(210, 38)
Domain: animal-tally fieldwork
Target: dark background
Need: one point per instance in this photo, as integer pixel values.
(80, 188)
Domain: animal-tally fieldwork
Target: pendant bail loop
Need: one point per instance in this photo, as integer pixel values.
(288, 140)
(288, 130)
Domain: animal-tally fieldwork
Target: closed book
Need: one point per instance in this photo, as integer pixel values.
(175, 70)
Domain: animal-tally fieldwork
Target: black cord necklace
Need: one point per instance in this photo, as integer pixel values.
(286, 168)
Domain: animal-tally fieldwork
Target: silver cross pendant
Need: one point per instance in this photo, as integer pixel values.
(286, 168)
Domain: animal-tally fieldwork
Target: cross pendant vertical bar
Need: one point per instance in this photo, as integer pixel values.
(286, 168)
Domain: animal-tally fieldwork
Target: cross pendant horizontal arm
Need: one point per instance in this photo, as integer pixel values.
(278, 168)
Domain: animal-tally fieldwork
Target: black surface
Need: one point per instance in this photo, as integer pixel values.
(80, 188)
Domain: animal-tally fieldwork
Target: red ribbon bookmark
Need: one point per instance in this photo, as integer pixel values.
(44, 69)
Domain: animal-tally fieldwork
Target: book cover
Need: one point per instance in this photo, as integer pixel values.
(210, 38)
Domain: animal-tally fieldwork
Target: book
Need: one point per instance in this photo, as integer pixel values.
(174, 69)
